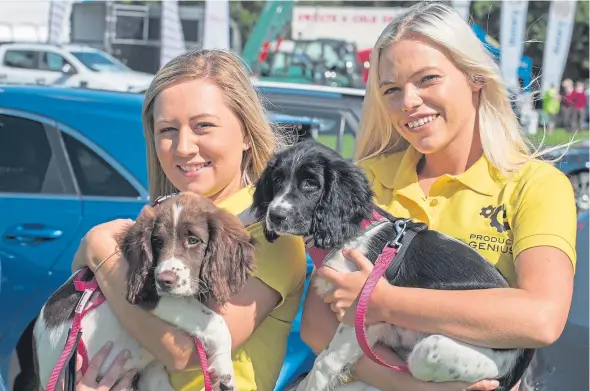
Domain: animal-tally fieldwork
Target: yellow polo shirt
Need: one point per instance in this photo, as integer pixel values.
(281, 265)
(497, 216)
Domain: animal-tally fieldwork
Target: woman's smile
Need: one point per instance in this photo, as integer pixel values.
(422, 123)
(192, 170)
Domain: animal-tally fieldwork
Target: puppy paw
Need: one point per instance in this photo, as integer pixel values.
(439, 358)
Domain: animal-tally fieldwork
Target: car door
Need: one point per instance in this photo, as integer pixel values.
(39, 212)
(55, 69)
(107, 190)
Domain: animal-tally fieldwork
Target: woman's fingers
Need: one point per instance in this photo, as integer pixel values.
(484, 385)
(96, 362)
(114, 372)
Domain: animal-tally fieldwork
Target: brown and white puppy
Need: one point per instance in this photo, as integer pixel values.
(181, 254)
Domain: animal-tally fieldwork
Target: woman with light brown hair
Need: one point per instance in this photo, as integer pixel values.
(207, 132)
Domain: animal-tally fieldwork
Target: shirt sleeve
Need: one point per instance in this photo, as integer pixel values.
(545, 212)
(280, 265)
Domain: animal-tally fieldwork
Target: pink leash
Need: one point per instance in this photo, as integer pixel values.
(381, 265)
(75, 335)
(89, 288)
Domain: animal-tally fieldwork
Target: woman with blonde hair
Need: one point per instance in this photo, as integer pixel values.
(441, 145)
(207, 132)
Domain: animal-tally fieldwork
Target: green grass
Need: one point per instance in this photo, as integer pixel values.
(559, 136)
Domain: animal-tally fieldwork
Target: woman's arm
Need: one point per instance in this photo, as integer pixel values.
(168, 344)
(318, 326)
(530, 316)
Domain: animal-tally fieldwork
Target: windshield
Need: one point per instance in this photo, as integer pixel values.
(100, 62)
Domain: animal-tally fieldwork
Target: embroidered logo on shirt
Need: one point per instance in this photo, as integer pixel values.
(493, 214)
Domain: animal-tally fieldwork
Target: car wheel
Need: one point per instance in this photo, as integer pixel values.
(579, 182)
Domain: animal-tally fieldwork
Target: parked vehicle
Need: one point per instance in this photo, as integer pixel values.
(67, 65)
(69, 159)
(337, 110)
(576, 164)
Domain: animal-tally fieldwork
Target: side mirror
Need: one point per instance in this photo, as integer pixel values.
(68, 69)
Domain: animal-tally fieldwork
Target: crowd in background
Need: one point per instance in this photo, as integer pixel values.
(568, 107)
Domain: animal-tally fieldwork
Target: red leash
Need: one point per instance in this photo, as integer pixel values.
(381, 266)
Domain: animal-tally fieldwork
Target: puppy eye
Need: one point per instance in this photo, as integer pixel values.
(309, 184)
(192, 240)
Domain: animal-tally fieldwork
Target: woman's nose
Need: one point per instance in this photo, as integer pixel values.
(411, 99)
(187, 143)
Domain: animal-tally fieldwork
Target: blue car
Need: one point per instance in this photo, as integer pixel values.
(69, 159)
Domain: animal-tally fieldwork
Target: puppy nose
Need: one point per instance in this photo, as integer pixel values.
(277, 215)
(167, 277)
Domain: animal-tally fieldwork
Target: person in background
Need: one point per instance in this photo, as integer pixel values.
(551, 105)
(579, 101)
(567, 87)
(441, 145)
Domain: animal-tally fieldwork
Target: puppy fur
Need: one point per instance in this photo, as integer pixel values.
(310, 191)
(181, 254)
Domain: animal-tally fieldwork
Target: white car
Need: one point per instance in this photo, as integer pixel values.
(67, 65)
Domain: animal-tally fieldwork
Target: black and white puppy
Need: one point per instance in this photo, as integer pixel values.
(310, 191)
(180, 254)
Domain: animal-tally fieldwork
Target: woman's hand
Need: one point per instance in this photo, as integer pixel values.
(484, 385)
(347, 287)
(107, 383)
(87, 382)
(99, 243)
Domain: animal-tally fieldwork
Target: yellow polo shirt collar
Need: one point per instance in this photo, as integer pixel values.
(479, 177)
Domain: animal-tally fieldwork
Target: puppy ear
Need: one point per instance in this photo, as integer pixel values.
(346, 201)
(136, 247)
(229, 257)
(263, 196)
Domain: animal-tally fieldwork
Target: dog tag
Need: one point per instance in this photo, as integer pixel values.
(83, 301)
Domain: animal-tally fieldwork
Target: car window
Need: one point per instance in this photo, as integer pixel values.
(52, 62)
(94, 175)
(26, 59)
(27, 164)
(329, 122)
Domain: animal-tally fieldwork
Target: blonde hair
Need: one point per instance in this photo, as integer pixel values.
(226, 70)
(499, 128)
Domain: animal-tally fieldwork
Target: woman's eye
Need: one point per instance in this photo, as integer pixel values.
(164, 130)
(204, 125)
(390, 90)
(428, 78)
